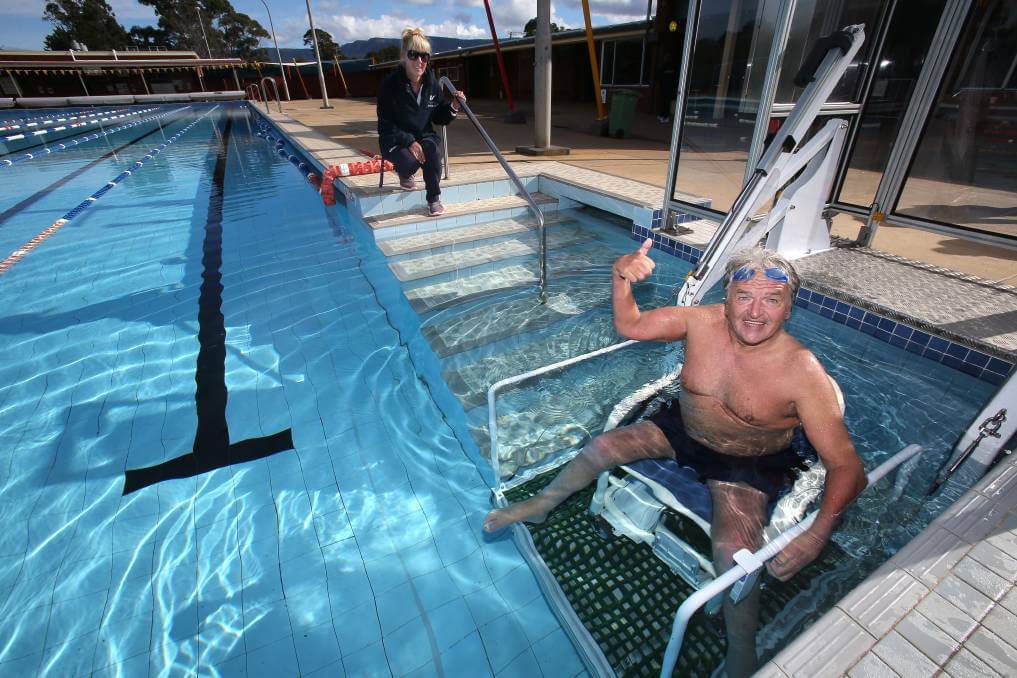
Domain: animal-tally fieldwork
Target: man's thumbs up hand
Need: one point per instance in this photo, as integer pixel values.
(637, 266)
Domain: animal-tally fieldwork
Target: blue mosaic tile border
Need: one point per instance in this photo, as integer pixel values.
(679, 218)
(899, 334)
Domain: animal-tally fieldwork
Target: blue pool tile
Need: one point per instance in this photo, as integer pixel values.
(421, 558)
(316, 648)
(977, 359)
(993, 378)
(71, 658)
(396, 607)
(455, 540)
(452, 623)
(332, 527)
(882, 335)
(841, 307)
(973, 370)
(999, 366)
(871, 318)
(524, 665)
(840, 317)
(886, 324)
(828, 302)
(536, 619)
(135, 666)
(826, 312)
(920, 338)
(898, 341)
(486, 605)
(369, 660)
(470, 574)
(933, 355)
(951, 361)
(805, 294)
(854, 323)
(504, 639)
(556, 655)
(267, 627)
(519, 586)
(801, 303)
(357, 628)
(408, 648)
(938, 344)
(856, 312)
(903, 331)
(435, 589)
(385, 573)
(912, 347)
(333, 670)
(813, 306)
(957, 351)
(277, 659)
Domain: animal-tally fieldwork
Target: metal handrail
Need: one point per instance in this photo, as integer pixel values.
(492, 422)
(252, 88)
(275, 88)
(447, 84)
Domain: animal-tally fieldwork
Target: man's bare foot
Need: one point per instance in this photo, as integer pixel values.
(503, 517)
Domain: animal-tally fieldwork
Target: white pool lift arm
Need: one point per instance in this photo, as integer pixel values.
(795, 224)
(748, 567)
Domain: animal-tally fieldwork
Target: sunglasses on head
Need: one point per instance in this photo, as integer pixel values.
(413, 55)
(748, 272)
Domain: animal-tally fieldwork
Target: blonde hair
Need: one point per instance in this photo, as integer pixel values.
(414, 38)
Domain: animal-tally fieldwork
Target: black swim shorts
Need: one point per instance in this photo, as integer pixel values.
(772, 474)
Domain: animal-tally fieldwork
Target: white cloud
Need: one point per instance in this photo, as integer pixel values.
(346, 28)
(130, 12)
(614, 11)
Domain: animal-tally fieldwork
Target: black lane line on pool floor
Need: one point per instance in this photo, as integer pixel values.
(42, 193)
(212, 449)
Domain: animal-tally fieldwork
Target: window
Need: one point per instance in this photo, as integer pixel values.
(622, 62)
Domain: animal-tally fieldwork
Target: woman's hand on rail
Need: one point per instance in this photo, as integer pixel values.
(458, 96)
(800, 552)
(417, 152)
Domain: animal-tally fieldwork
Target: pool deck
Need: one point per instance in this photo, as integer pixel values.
(945, 602)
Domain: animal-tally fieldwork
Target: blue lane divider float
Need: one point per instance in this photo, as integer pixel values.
(280, 147)
(63, 146)
(18, 123)
(74, 125)
(19, 254)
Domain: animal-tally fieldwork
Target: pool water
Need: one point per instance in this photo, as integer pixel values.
(306, 505)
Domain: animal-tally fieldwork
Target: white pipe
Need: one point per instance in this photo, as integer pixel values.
(692, 604)
(492, 421)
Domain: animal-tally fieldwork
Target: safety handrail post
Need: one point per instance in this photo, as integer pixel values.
(542, 295)
(699, 598)
(275, 88)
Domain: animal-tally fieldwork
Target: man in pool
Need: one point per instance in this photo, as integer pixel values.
(746, 385)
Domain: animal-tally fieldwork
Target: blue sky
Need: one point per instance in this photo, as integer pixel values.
(22, 27)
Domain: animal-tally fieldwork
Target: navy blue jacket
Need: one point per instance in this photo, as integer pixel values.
(400, 120)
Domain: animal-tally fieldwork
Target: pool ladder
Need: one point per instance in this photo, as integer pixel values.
(542, 232)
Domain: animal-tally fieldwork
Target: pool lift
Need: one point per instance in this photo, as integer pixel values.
(631, 501)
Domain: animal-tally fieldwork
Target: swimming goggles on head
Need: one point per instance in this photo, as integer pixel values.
(748, 272)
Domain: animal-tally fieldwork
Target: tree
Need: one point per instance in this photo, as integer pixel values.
(147, 37)
(530, 29)
(387, 53)
(89, 22)
(326, 44)
(229, 33)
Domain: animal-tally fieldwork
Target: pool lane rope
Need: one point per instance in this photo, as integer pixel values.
(63, 146)
(75, 125)
(20, 253)
(18, 123)
(325, 185)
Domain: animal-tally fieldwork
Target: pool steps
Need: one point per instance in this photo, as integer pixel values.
(409, 221)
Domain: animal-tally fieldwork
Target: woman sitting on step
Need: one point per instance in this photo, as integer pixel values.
(409, 101)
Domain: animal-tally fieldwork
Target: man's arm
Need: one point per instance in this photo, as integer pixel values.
(661, 324)
(821, 417)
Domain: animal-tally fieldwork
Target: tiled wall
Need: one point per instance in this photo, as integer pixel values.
(949, 353)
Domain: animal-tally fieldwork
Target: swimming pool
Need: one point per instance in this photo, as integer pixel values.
(199, 311)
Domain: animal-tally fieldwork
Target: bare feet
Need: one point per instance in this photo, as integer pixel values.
(514, 513)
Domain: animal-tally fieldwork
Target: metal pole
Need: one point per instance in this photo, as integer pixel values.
(688, 51)
(444, 144)
(236, 78)
(542, 76)
(593, 56)
(278, 54)
(14, 81)
(144, 82)
(501, 61)
(203, 36)
(317, 55)
(83, 86)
